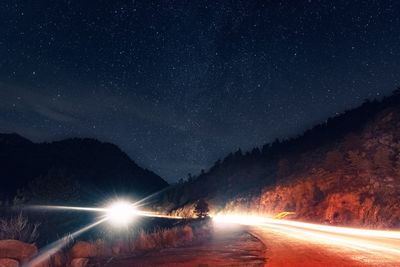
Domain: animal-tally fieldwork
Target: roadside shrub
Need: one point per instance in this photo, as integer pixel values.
(144, 241)
(171, 237)
(19, 228)
(187, 232)
(164, 238)
(160, 238)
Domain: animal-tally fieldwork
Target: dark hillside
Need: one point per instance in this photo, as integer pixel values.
(357, 149)
(72, 169)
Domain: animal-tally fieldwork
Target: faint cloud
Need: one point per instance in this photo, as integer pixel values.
(53, 114)
(29, 100)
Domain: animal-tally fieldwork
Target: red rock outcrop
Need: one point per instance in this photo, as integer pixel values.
(80, 262)
(14, 249)
(357, 182)
(9, 263)
(84, 249)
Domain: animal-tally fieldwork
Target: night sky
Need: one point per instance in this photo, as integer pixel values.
(178, 84)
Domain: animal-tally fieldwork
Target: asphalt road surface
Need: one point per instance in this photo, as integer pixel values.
(295, 245)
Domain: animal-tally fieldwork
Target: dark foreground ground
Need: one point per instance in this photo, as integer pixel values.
(228, 247)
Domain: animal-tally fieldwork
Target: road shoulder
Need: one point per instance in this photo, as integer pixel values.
(226, 247)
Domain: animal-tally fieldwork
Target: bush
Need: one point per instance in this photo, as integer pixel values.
(144, 241)
(19, 228)
(164, 238)
(135, 243)
(187, 233)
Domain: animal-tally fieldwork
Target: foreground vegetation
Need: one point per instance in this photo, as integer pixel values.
(17, 234)
(19, 228)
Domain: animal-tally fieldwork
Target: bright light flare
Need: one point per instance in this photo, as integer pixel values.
(121, 213)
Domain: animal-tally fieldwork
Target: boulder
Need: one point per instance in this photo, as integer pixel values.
(42, 263)
(58, 260)
(84, 249)
(80, 262)
(17, 250)
(8, 263)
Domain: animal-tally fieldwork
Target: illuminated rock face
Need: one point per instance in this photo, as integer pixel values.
(363, 190)
(355, 205)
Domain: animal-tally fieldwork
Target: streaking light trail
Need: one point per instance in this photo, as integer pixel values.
(116, 211)
(257, 220)
(48, 207)
(386, 243)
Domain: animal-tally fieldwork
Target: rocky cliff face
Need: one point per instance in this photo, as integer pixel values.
(356, 183)
(351, 178)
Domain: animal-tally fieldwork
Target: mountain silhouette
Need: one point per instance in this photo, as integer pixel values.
(93, 170)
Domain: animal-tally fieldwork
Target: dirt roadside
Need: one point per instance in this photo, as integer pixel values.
(227, 247)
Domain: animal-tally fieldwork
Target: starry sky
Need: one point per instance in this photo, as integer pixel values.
(179, 84)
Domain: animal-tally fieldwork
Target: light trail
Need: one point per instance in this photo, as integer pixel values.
(258, 220)
(381, 242)
(145, 201)
(137, 212)
(49, 250)
(366, 245)
(49, 207)
(156, 215)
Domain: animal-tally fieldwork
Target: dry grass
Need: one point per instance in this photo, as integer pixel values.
(139, 242)
(18, 228)
(163, 238)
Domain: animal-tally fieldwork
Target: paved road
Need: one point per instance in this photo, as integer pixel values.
(226, 248)
(302, 245)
